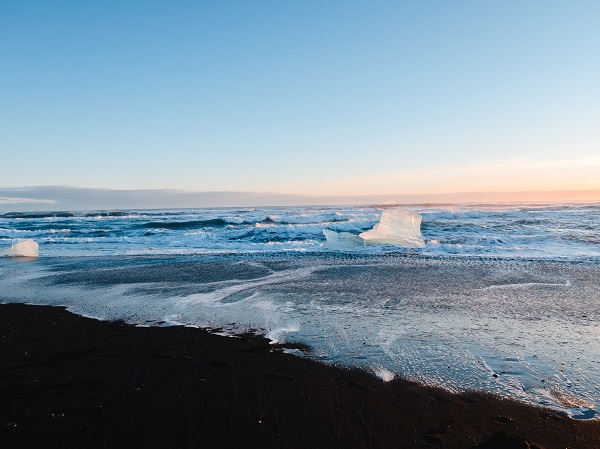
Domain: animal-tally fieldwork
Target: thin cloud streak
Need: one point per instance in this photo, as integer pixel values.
(517, 175)
(63, 198)
(13, 200)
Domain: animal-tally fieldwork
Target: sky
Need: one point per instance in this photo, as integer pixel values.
(311, 98)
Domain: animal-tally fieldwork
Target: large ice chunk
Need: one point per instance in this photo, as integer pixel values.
(342, 240)
(396, 227)
(26, 248)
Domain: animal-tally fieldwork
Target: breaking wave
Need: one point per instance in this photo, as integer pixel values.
(566, 232)
(193, 224)
(34, 215)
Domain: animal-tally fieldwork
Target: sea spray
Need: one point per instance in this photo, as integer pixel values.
(568, 232)
(278, 335)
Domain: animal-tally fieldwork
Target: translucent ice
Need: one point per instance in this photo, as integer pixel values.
(396, 227)
(27, 248)
(342, 240)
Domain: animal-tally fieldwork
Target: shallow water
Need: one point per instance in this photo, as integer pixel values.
(521, 324)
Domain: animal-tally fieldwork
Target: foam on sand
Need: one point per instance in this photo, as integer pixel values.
(396, 227)
(278, 335)
(26, 248)
(383, 373)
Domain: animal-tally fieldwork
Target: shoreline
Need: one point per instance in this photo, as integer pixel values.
(71, 381)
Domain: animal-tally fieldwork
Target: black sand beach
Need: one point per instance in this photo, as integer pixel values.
(73, 382)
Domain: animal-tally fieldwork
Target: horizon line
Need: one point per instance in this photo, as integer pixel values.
(66, 198)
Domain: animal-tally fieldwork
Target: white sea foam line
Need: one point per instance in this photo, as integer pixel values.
(278, 335)
(526, 285)
(218, 295)
(458, 361)
(579, 353)
(517, 388)
(471, 319)
(582, 385)
(383, 373)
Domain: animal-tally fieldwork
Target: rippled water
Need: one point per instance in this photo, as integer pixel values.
(566, 231)
(503, 299)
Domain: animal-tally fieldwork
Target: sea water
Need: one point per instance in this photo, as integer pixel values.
(497, 298)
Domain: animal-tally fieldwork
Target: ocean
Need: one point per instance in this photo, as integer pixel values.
(496, 298)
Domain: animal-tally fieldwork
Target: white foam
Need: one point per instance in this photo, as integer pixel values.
(216, 296)
(396, 227)
(527, 285)
(377, 312)
(384, 374)
(26, 248)
(278, 335)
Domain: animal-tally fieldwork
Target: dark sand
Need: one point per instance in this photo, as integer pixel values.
(73, 382)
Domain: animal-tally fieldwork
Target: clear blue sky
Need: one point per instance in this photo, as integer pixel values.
(301, 97)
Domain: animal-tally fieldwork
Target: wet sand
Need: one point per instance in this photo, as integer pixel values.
(73, 382)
